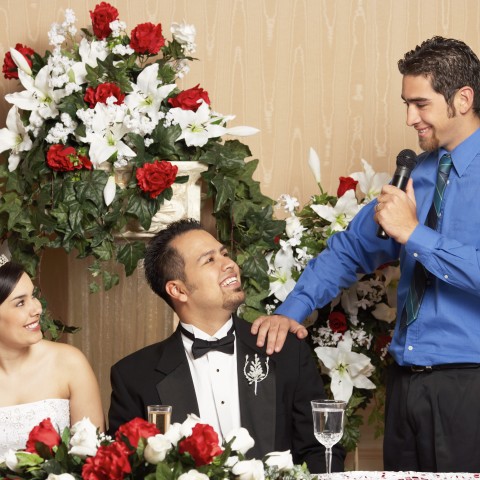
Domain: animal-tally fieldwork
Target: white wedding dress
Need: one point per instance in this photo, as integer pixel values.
(17, 421)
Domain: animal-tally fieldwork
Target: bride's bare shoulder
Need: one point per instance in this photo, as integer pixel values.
(61, 352)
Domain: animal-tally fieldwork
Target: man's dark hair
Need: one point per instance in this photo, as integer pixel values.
(163, 262)
(10, 274)
(449, 64)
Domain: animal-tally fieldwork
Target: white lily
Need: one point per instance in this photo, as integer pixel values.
(109, 190)
(242, 131)
(385, 312)
(14, 137)
(105, 134)
(196, 126)
(314, 164)
(347, 369)
(20, 61)
(148, 93)
(281, 273)
(369, 182)
(342, 213)
(38, 97)
(392, 277)
(90, 53)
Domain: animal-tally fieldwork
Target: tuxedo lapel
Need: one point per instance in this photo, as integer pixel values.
(176, 388)
(257, 409)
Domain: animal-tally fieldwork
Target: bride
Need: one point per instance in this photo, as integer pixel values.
(38, 378)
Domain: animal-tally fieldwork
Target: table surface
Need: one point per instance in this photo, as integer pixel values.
(399, 476)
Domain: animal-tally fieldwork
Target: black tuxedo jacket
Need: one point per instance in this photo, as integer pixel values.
(278, 417)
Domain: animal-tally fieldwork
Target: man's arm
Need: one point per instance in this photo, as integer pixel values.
(122, 406)
(348, 252)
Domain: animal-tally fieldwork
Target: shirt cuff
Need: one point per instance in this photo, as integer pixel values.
(295, 309)
(422, 242)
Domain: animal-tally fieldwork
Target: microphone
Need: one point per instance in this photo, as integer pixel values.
(406, 161)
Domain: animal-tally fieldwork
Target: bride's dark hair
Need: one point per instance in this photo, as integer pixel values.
(10, 274)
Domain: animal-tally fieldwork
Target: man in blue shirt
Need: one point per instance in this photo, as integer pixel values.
(433, 410)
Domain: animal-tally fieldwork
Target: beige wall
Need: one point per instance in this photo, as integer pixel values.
(318, 73)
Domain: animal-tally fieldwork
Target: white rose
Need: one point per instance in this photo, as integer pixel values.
(63, 476)
(174, 433)
(183, 33)
(249, 470)
(84, 439)
(193, 475)
(281, 460)
(11, 460)
(243, 441)
(188, 424)
(157, 449)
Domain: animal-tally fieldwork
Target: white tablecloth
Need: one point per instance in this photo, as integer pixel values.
(400, 476)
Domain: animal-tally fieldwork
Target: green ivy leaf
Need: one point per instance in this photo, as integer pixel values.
(164, 141)
(143, 209)
(110, 280)
(130, 254)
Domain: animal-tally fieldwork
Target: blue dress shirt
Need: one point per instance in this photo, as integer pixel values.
(447, 329)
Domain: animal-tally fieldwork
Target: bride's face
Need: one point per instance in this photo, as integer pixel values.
(20, 316)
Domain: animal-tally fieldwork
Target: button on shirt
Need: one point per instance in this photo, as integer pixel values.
(447, 329)
(215, 380)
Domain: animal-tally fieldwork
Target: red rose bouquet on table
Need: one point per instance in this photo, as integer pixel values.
(187, 451)
(101, 103)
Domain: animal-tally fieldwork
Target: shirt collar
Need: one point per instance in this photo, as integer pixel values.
(220, 333)
(463, 154)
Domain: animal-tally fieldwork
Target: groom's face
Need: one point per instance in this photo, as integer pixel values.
(212, 277)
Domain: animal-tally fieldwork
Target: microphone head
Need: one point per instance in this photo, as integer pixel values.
(407, 158)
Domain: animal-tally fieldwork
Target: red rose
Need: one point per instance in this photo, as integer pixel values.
(10, 69)
(136, 429)
(382, 342)
(66, 159)
(156, 177)
(44, 433)
(202, 444)
(102, 93)
(190, 99)
(101, 18)
(337, 322)
(346, 183)
(147, 38)
(109, 463)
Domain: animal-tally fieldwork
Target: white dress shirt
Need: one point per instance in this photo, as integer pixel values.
(216, 382)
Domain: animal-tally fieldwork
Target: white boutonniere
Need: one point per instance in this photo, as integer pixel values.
(254, 371)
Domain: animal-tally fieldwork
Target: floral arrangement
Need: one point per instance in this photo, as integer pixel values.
(187, 451)
(349, 336)
(93, 136)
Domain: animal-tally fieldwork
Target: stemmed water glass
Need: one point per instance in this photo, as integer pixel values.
(328, 416)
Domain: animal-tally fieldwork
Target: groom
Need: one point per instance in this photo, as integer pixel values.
(231, 383)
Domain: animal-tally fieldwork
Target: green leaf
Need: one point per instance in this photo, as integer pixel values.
(163, 472)
(110, 280)
(28, 459)
(226, 188)
(164, 141)
(143, 209)
(104, 251)
(130, 254)
(91, 186)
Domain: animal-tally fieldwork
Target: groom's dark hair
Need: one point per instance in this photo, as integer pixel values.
(163, 262)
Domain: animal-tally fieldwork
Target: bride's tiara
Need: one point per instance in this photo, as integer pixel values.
(3, 260)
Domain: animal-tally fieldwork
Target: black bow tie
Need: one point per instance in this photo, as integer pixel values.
(201, 347)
